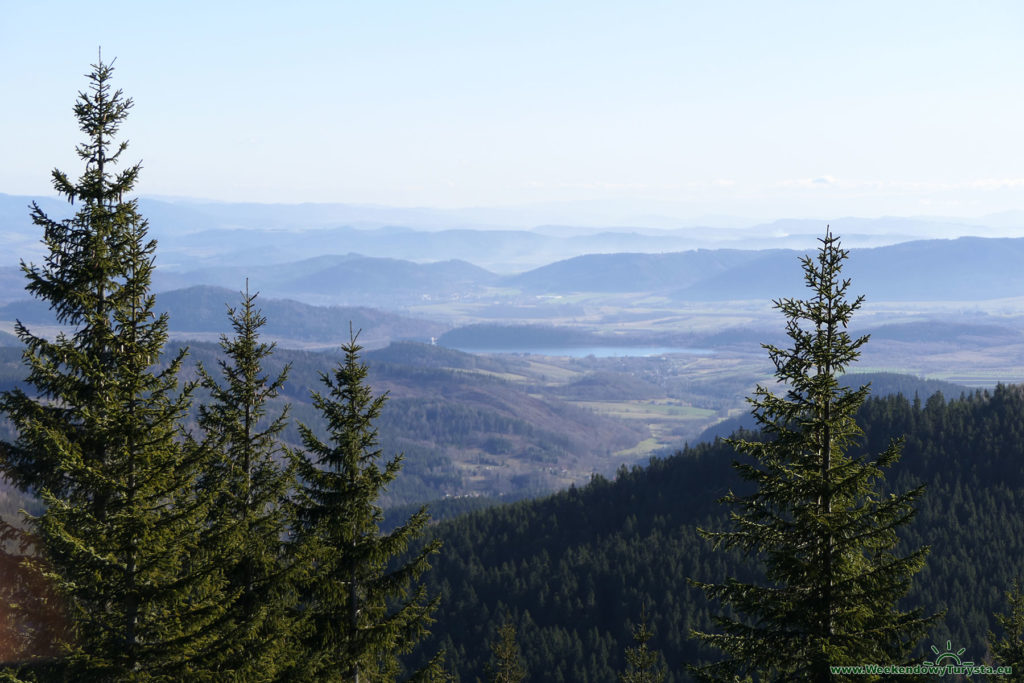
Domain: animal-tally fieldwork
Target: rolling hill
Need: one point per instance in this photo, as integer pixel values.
(200, 311)
(351, 278)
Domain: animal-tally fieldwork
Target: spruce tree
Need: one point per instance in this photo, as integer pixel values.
(247, 478)
(1009, 649)
(98, 438)
(507, 666)
(815, 519)
(643, 665)
(362, 600)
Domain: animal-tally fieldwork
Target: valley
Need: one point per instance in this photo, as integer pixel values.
(526, 382)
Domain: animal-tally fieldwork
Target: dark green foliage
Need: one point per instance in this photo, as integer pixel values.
(507, 665)
(643, 665)
(98, 440)
(247, 478)
(1009, 649)
(362, 607)
(573, 568)
(815, 517)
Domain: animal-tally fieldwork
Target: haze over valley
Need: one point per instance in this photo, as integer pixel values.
(543, 356)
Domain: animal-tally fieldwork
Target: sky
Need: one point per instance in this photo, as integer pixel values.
(760, 109)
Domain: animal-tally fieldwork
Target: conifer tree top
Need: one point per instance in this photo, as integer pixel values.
(826, 537)
(99, 429)
(100, 113)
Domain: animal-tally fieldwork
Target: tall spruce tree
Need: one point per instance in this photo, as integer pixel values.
(815, 519)
(247, 479)
(643, 665)
(507, 665)
(98, 438)
(1008, 650)
(362, 601)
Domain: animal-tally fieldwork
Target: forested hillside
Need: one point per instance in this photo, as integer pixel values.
(198, 313)
(573, 571)
(464, 425)
(488, 425)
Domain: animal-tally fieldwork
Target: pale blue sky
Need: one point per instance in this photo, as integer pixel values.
(765, 109)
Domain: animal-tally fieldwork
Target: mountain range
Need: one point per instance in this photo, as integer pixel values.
(964, 269)
(194, 234)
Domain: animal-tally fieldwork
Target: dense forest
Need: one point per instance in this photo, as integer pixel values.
(573, 571)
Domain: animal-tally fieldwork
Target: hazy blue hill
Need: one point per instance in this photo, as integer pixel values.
(496, 336)
(639, 239)
(12, 283)
(271, 275)
(15, 211)
(27, 311)
(766, 271)
(514, 249)
(391, 277)
(349, 278)
(892, 383)
(944, 332)
(631, 272)
(7, 339)
(968, 268)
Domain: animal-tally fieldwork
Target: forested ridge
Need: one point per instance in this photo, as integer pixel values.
(574, 570)
(438, 414)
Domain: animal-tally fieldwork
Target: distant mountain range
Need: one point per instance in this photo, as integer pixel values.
(195, 234)
(349, 278)
(963, 269)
